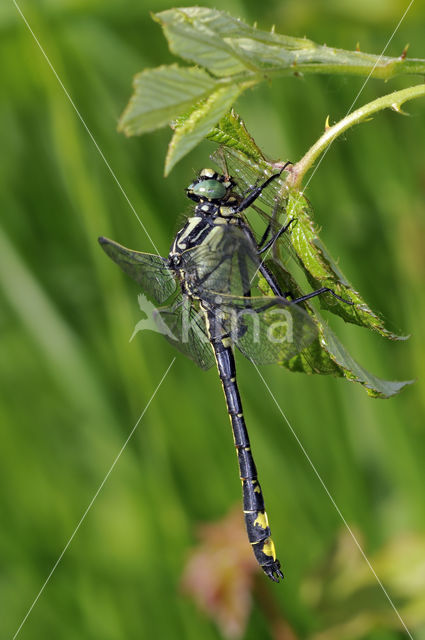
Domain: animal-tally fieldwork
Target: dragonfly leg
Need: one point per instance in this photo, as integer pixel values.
(275, 237)
(256, 192)
(319, 292)
(271, 281)
(265, 235)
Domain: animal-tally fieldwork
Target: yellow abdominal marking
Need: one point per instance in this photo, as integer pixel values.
(261, 520)
(256, 486)
(269, 548)
(226, 342)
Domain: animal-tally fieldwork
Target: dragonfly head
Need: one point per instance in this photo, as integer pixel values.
(210, 187)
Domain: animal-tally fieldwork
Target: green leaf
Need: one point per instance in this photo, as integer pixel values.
(313, 359)
(375, 387)
(326, 355)
(302, 241)
(195, 126)
(321, 270)
(163, 94)
(231, 132)
(204, 36)
(234, 57)
(227, 46)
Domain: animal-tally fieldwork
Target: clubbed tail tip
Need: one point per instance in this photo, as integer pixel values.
(273, 571)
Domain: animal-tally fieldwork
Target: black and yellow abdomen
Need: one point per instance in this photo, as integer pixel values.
(256, 521)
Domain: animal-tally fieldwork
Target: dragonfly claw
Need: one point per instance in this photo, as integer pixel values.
(273, 571)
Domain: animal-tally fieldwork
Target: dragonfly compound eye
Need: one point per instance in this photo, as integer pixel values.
(209, 189)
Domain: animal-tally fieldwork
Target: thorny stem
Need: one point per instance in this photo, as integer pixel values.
(387, 69)
(390, 101)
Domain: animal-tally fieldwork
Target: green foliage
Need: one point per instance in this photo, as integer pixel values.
(235, 57)
(162, 94)
(197, 125)
(319, 267)
(226, 46)
(242, 157)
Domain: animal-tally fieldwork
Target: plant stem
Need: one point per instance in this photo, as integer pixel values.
(390, 101)
(349, 63)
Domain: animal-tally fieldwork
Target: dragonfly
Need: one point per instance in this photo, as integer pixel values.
(210, 286)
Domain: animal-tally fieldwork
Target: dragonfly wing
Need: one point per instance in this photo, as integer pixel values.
(187, 331)
(225, 262)
(266, 330)
(148, 270)
(271, 204)
(248, 175)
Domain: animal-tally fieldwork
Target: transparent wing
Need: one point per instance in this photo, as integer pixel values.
(148, 270)
(266, 330)
(182, 324)
(186, 331)
(225, 262)
(271, 204)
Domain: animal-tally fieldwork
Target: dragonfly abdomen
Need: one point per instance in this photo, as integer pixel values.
(256, 522)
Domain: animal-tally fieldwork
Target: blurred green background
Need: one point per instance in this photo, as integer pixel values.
(72, 386)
